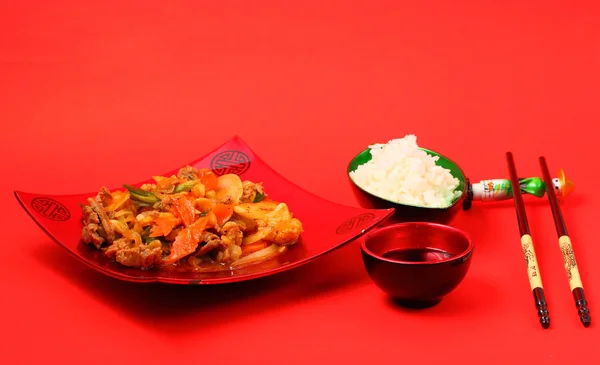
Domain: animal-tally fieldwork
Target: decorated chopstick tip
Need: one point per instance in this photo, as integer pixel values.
(582, 307)
(542, 307)
(586, 321)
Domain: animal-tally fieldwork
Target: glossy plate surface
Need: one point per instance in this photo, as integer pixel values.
(327, 225)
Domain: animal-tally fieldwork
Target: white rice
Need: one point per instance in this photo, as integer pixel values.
(399, 171)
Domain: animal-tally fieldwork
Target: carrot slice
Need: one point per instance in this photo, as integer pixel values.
(164, 225)
(165, 183)
(222, 212)
(186, 241)
(256, 246)
(208, 178)
(185, 210)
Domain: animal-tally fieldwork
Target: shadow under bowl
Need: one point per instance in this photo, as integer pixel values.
(407, 212)
(417, 263)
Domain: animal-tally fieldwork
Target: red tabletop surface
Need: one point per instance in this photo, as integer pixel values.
(102, 93)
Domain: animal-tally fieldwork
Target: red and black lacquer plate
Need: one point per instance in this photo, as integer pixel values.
(327, 225)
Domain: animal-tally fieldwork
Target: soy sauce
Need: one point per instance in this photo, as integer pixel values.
(424, 254)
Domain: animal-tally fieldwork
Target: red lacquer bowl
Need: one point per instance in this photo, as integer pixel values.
(327, 225)
(417, 263)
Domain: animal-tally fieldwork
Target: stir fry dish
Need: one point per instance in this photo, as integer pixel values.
(194, 218)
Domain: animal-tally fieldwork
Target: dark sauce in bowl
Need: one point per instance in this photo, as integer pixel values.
(423, 254)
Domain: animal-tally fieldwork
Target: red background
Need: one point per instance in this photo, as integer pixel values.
(104, 93)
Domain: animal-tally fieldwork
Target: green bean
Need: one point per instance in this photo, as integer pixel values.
(259, 197)
(186, 186)
(141, 195)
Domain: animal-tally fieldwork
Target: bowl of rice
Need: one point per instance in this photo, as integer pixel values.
(422, 185)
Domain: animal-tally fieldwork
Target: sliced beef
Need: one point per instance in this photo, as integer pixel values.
(98, 208)
(92, 232)
(212, 241)
(231, 234)
(144, 256)
(188, 173)
(165, 204)
(251, 190)
(104, 196)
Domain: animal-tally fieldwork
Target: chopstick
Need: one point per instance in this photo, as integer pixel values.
(566, 248)
(533, 272)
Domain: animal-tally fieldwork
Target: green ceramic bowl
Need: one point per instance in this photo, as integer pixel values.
(408, 212)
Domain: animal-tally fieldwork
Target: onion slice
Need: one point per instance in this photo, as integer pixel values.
(263, 254)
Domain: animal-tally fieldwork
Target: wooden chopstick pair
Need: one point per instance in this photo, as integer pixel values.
(533, 271)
